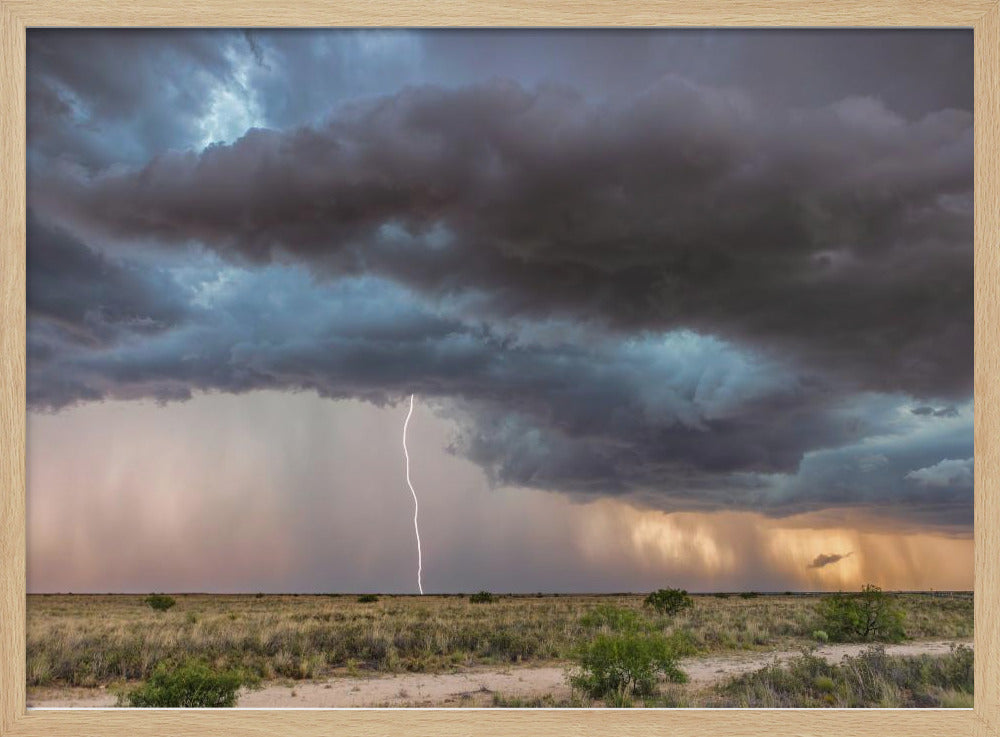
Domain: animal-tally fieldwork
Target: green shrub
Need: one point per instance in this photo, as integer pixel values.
(192, 684)
(669, 601)
(749, 595)
(367, 599)
(606, 616)
(868, 616)
(483, 597)
(617, 667)
(821, 636)
(160, 602)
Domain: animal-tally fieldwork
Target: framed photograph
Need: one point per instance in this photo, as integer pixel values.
(455, 368)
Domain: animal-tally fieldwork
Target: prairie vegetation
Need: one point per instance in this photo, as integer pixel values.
(615, 648)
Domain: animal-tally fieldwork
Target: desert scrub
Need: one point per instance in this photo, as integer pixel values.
(160, 602)
(367, 599)
(482, 597)
(620, 667)
(190, 684)
(868, 616)
(93, 640)
(871, 679)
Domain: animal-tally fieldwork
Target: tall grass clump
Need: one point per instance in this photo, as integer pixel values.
(610, 617)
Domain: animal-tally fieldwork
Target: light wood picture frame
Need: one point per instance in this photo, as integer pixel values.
(983, 16)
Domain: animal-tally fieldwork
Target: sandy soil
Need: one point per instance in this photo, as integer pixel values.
(473, 687)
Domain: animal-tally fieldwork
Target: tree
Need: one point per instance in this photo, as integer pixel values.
(868, 616)
(669, 601)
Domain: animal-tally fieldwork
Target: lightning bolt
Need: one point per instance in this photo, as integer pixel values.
(416, 504)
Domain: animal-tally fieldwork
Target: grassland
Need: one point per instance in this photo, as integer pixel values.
(94, 641)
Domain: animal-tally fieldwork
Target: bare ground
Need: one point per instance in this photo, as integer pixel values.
(472, 687)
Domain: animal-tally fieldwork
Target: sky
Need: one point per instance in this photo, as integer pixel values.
(678, 308)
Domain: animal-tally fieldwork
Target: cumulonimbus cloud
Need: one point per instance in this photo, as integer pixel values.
(679, 293)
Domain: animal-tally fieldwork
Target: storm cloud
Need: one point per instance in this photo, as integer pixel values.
(685, 207)
(695, 290)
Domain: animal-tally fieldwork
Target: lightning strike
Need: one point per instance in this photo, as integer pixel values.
(416, 504)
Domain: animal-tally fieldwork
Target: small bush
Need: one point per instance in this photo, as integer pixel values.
(189, 685)
(367, 599)
(821, 636)
(669, 601)
(749, 595)
(483, 597)
(620, 666)
(868, 616)
(160, 602)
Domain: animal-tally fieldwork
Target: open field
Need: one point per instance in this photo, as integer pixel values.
(444, 650)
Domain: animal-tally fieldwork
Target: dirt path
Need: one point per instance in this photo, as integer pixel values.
(474, 687)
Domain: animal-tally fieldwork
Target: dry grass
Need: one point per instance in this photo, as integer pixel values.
(89, 640)
(870, 679)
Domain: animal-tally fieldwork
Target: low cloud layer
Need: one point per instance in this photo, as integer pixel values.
(693, 290)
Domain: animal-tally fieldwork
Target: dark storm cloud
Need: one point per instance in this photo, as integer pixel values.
(826, 559)
(841, 236)
(97, 97)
